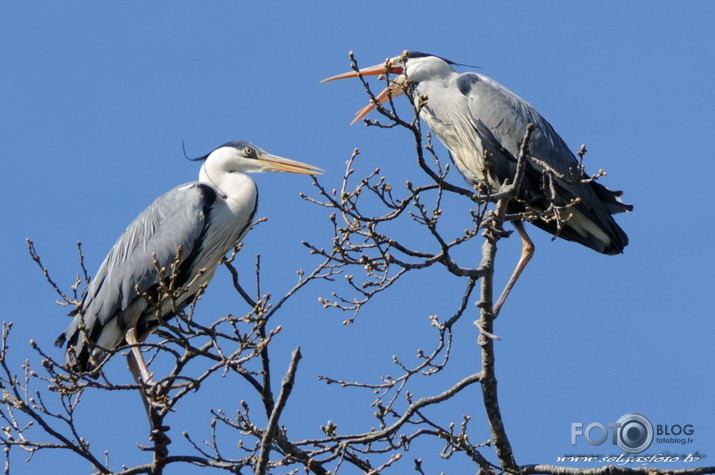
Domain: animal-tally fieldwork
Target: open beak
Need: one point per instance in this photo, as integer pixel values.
(388, 66)
(279, 164)
(395, 88)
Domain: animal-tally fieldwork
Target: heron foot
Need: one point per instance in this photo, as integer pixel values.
(154, 388)
(160, 439)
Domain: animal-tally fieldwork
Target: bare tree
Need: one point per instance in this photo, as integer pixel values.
(368, 252)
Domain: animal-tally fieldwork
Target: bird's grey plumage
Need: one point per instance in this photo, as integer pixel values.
(194, 225)
(471, 113)
(483, 124)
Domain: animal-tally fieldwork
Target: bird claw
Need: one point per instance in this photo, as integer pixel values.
(160, 439)
(507, 188)
(494, 229)
(156, 389)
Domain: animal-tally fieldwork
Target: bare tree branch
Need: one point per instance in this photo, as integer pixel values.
(286, 388)
(378, 233)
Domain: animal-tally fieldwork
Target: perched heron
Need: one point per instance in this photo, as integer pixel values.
(470, 114)
(191, 227)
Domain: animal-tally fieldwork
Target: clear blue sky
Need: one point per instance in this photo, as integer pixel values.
(96, 97)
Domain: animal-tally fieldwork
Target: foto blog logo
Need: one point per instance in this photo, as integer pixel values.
(632, 433)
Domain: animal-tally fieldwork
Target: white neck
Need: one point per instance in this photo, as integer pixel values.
(237, 188)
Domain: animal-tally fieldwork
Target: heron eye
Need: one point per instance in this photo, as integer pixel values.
(249, 151)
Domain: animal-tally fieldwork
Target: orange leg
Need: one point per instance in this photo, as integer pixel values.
(527, 251)
(138, 367)
(131, 338)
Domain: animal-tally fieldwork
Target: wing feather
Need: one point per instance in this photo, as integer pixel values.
(500, 118)
(177, 219)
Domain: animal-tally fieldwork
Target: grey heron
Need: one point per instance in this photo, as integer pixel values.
(191, 227)
(470, 114)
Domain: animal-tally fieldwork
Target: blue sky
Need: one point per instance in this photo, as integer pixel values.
(96, 98)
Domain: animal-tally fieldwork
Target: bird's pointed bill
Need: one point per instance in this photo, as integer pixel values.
(281, 164)
(390, 66)
(395, 89)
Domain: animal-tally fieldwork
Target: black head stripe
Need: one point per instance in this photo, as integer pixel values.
(418, 54)
(197, 159)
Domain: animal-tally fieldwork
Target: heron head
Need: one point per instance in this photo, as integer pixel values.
(245, 157)
(409, 67)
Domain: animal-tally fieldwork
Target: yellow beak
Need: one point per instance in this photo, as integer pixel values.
(395, 89)
(281, 164)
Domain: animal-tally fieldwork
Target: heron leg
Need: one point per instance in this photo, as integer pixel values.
(136, 355)
(158, 431)
(527, 251)
(141, 373)
(136, 372)
(138, 367)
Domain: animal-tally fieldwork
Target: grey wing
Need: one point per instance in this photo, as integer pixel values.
(500, 117)
(176, 219)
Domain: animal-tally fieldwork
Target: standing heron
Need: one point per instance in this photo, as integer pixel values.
(189, 229)
(472, 114)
